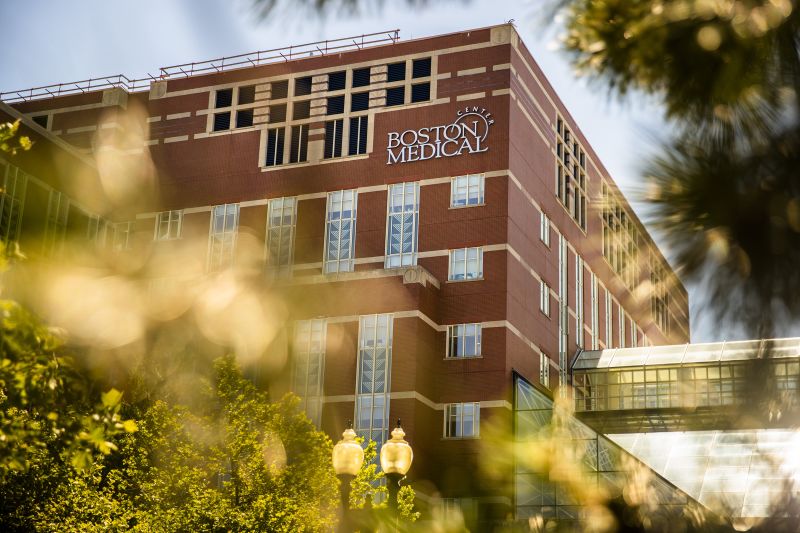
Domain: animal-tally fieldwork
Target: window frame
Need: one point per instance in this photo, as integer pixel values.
(456, 186)
(461, 339)
(157, 236)
(453, 261)
(232, 111)
(459, 408)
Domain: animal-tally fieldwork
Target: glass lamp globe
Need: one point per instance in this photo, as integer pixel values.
(348, 455)
(396, 453)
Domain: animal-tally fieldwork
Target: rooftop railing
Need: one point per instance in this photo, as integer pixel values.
(211, 66)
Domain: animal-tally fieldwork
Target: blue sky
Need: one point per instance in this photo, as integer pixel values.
(58, 41)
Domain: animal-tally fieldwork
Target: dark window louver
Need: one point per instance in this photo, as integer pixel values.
(358, 135)
(224, 98)
(247, 94)
(395, 96)
(275, 138)
(333, 138)
(359, 101)
(361, 77)
(301, 110)
(336, 81)
(222, 121)
(244, 118)
(298, 147)
(396, 72)
(335, 105)
(280, 89)
(421, 68)
(277, 113)
(421, 92)
(302, 86)
(40, 120)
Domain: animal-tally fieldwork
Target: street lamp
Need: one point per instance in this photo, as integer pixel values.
(348, 456)
(396, 457)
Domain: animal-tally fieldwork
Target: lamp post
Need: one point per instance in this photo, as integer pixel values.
(348, 456)
(396, 457)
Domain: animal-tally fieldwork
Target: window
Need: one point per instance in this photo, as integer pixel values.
(421, 92)
(402, 225)
(302, 86)
(222, 237)
(421, 68)
(359, 101)
(301, 110)
(609, 339)
(358, 135)
(463, 340)
(279, 89)
(333, 138)
(544, 229)
(298, 146)
(336, 80)
(595, 313)
(462, 420)
(466, 190)
(281, 221)
(396, 71)
(579, 301)
(275, 142)
(340, 231)
(544, 370)
(42, 120)
(570, 174)
(621, 324)
(544, 298)
(395, 96)
(239, 114)
(620, 239)
(361, 77)
(12, 200)
(466, 263)
(659, 296)
(168, 225)
(335, 105)
(372, 379)
(56, 223)
(308, 369)
(277, 113)
(123, 232)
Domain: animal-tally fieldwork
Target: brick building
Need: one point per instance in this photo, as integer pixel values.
(428, 209)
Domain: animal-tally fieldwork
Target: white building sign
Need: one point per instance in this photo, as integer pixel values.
(465, 135)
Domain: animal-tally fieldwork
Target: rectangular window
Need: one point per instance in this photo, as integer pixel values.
(359, 101)
(544, 370)
(659, 296)
(123, 233)
(463, 340)
(466, 263)
(609, 339)
(466, 190)
(595, 314)
(12, 200)
(358, 135)
(462, 420)
(620, 238)
(361, 77)
(240, 113)
(222, 236)
(570, 178)
(56, 223)
(301, 110)
(402, 225)
(281, 221)
(277, 113)
(544, 298)
(396, 71)
(421, 68)
(340, 231)
(544, 229)
(279, 90)
(298, 145)
(302, 86)
(308, 370)
(168, 225)
(621, 324)
(275, 142)
(244, 118)
(222, 121)
(333, 138)
(395, 96)
(335, 105)
(373, 377)
(336, 80)
(41, 120)
(224, 98)
(247, 94)
(421, 92)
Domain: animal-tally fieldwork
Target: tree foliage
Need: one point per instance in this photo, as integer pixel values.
(725, 189)
(8, 131)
